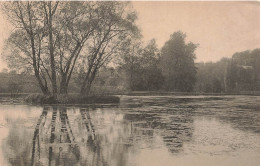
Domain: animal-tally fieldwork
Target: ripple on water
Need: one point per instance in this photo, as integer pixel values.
(141, 131)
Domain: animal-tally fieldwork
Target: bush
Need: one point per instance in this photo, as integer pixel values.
(70, 99)
(40, 99)
(76, 99)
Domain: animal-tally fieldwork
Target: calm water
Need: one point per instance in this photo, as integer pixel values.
(140, 131)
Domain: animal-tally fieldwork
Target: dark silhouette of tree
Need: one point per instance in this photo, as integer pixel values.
(211, 77)
(243, 71)
(47, 39)
(150, 73)
(177, 62)
(52, 39)
(141, 66)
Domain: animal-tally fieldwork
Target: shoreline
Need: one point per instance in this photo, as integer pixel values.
(71, 99)
(145, 93)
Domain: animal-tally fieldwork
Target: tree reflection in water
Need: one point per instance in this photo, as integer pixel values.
(15, 149)
(55, 142)
(36, 137)
(62, 137)
(62, 148)
(174, 125)
(52, 142)
(119, 136)
(97, 137)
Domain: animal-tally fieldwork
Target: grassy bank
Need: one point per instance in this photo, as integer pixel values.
(158, 93)
(70, 99)
(14, 95)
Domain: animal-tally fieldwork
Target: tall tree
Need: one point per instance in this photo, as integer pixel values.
(177, 62)
(152, 75)
(48, 38)
(75, 25)
(115, 23)
(25, 42)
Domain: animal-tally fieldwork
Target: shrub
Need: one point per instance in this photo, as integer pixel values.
(40, 99)
(70, 99)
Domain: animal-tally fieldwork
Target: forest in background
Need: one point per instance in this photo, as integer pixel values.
(241, 73)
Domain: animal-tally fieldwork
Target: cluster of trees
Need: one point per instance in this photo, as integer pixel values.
(12, 82)
(171, 70)
(147, 68)
(211, 77)
(58, 41)
(243, 71)
(140, 66)
(55, 40)
(236, 74)
(71, 46)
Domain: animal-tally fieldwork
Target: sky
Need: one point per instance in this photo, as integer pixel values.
(220, 28)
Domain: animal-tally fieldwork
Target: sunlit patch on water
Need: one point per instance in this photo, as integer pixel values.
(141, 131)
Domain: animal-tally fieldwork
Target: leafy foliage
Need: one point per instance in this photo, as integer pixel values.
(243, 71)
(54, 39)
(177, 62)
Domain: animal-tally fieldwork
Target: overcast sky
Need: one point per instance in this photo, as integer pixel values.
(220, 28)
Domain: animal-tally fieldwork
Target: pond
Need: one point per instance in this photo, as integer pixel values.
(140, 131)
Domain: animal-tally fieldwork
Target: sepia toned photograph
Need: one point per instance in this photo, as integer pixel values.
(129, 83)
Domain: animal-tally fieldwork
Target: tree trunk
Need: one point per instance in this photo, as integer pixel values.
(52, 58)
(44, 89)
(85, 91)
(36, 68)
(88, 87)
(87, 83)
(63, 85)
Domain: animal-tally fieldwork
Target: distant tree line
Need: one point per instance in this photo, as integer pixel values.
(11, 82)
(239, 73)
(147, 68)
(229, 75)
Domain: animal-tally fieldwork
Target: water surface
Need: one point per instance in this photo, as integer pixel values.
(140, 131)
